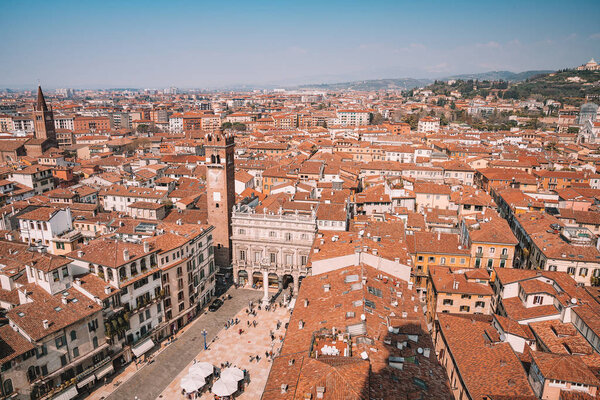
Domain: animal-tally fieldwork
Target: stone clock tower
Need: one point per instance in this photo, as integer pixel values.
(220, 190)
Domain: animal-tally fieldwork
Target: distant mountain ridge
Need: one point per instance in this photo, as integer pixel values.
(500, 75)
(412, 83)
(372, 84)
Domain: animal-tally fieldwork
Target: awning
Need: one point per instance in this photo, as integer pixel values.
(143, 348)
(105, 370)
(67, 394)
(86, 380)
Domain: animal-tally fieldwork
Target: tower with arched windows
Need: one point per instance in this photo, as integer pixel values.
(220, 190)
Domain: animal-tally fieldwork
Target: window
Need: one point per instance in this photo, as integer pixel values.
(95, 342)
(75, 352)
(537, 299)
(304, 260)
(41, 351)
(8, 387)
(583, 272)
(492, 250)
(60, 341)
(273, 257)
(442, 260)
(93, 325)
(465, 296)
(504, 251)
(55, 276)
(63, 360)
(571, 270)
(465, 308)
(448, 302)
(73, 335)
(420, 258)
(490, 263)
(479, 304)
(431, 259)
(243, 255)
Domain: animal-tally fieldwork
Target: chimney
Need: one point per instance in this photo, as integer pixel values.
(46, 324)
(320, 391)
(146, 247)
(65, 300)
(455, 285)
(439, 235)
(126, 255)
(106, 289)
(80, 253)
(305, 302)
(78, 281)
(300, 324)
(179, 222)
(284, 388)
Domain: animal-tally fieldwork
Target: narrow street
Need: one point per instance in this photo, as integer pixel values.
(152, 379)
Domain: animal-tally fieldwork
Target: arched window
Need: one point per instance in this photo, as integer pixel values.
(133, 269)
(143, 264)
(218, 159)
(30, 374)
(212, 158)
(8, 387)
(122, 273)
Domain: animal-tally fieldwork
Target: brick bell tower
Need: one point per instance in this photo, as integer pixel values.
(43, 120)
(220, 190)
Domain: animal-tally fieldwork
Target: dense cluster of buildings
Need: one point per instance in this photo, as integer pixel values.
(426, 262)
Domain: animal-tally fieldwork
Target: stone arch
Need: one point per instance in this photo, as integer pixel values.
(273, 280)
(242, 277)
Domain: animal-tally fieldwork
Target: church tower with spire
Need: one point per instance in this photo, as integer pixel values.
(43, 120)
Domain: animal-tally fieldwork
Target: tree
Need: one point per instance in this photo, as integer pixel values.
(226, 125)
(377, 119)
(238, 126)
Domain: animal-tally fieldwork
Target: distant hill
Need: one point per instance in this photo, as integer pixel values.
(500, 76)
(570, 86)
(373, 84)
(412, 83)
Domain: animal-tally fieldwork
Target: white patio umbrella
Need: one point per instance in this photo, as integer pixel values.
(232, 373)
(191, 383)
(224, 387)
(202, 368)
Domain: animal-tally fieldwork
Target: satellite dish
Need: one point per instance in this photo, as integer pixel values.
(363, 317)
(420, 350)
(573, 300)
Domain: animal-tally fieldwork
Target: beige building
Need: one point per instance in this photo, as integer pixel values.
(458, 291)
(272, 248)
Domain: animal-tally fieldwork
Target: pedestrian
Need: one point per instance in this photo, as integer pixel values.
(272, 337)
(248, 323)
(266, 354)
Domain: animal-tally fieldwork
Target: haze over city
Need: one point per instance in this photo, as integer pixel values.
(218, 44)
(277, 200)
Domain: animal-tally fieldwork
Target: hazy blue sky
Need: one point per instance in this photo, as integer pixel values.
(207, 44)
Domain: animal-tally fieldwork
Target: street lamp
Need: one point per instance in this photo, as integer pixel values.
(204, 334)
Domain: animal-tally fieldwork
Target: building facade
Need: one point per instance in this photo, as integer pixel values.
(271, 248)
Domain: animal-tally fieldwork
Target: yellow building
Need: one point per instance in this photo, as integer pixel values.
(434, 248)
(457, 291)
(491, 243)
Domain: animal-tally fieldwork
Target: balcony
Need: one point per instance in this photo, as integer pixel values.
(479, 254)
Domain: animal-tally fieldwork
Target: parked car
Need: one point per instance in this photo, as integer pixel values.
(215, 305)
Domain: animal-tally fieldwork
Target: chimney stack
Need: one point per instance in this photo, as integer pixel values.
(126, 254)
